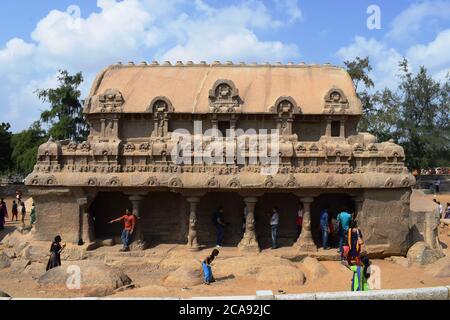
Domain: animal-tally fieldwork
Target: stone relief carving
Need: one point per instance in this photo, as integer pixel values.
(175, 183)
(152, 182)
(291, 182)
(110, 101)
(224, 97)
(212, 183)
(234, 183)
(336, 102)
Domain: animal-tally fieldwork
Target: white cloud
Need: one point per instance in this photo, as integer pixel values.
(418, 16)
(434, 54)
(132, 30)
(384, 59)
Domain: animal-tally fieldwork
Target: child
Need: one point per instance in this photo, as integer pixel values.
(361, 273)
(206, 266)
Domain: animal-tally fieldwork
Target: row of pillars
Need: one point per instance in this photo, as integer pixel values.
(249, 241)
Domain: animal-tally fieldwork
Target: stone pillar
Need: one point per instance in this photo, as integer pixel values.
(138, 241)
(192, 242)
(305, 242)
(249, 241)
(86, 231)
(328, 128)
(342, 129)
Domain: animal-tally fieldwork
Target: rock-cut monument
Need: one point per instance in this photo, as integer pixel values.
(303, 117)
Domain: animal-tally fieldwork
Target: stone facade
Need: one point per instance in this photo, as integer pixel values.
(127, 160)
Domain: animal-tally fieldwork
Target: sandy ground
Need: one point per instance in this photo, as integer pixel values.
(149, 282)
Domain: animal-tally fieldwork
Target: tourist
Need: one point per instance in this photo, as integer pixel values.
(437, 183)
(343, 219)
(23, 211)
(299, 220)
(4, 212)
(334, 232)
(206, 266)
(32, 215)
(55, 253)
(355, 242)
(447, 211)
(129, 221)
(361, 273)
(324, 228)
(2, 217)
(220, 224)
(18, 196)
(15, 211)
(274, 220)
(441, 209)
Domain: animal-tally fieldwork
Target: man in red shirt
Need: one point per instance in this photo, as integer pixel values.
(129, 221)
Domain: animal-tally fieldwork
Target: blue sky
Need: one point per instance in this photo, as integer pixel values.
(39, 37)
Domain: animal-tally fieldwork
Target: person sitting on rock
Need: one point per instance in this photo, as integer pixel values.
(206, 266)
(129, 221)
(55, 253)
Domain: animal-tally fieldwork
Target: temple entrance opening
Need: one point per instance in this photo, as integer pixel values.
(288, 205)
(163, 216)
(233, 211)
(335, 202)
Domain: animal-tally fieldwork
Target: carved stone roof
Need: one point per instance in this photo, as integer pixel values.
(257, 87)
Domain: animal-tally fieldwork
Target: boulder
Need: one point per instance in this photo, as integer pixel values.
(188, 275)
(5, 261)
(96, 278)
(422, 254)
(108, 242)
(35, 253)
(402, 261)
(73, 253)
(19, 265)
(17, 241)
(282, 275)
(315, 269)
(10, 252)
(440, 268)
(35, 269)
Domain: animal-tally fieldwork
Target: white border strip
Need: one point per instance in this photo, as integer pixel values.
(431, 293)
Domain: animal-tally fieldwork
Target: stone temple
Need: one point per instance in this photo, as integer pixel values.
(136, 114)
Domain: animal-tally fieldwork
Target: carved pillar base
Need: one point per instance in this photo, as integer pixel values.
(249, 241)
(192, 242)
(305, 242)
(138, 241)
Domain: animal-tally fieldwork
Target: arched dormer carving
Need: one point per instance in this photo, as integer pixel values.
(110, 101)
(160, 107)
(285, 108)
(224, 97)
(336, 102)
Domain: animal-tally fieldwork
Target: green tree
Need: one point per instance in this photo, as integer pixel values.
(423, 126)
(5, 147)
(65, 119)
(415, 114)
(25, 145)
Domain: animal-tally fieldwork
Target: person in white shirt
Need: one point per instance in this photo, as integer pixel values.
(274, 220)
(437, 183)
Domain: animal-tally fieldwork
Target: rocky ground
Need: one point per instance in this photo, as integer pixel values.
(172, 271)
